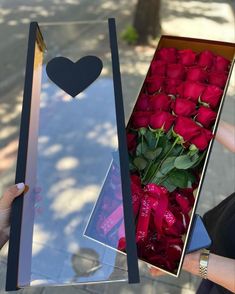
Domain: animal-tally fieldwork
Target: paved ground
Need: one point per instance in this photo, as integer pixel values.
(210, 19)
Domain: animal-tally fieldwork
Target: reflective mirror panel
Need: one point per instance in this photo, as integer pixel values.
(72, 157)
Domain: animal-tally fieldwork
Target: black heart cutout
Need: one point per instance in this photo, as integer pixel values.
(74, 77)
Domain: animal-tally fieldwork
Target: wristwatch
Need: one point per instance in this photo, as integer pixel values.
(203, 263)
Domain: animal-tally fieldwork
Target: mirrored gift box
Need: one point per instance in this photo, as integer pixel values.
(69, 137)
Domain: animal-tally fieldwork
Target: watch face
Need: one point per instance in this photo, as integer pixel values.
(69, 143)
(203, 263)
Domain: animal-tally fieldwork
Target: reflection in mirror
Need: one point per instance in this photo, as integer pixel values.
(72, 145)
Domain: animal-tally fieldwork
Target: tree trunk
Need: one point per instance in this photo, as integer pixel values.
(147, 20)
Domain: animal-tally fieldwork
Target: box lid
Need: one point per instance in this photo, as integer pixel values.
(70, 137)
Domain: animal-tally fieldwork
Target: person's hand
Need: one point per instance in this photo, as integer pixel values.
(154, 272)
(226, 135)
(190, 264)
(10, 194)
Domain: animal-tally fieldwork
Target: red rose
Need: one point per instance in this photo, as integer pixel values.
(175, 71)
(184, 107)
(212, 95)
(187, 57)
(154, 84)
(202, 140)
(191, 90)
(161, 119)
(160, 102)
(186, 127)
(169, 55)
(196, 74)
(171, 85)
(158, 67)
(221, 64)
(140, 119)
(206, 59)
(218, 79)
(131, 141)
(206, 116)
(142, 102)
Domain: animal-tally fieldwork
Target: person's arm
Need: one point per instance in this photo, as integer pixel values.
(226, 135)
(221, 270)
(5, 207)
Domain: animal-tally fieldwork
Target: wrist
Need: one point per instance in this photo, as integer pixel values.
(191, 263)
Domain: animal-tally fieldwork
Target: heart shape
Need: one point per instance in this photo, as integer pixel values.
(74, 77)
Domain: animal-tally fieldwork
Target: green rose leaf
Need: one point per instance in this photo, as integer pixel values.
(150, 138)
(152, 154)
(165, 144)
(176, 150)
(140, 163)
(200, 158)
(184, 161)
(131, 166)
(179, 178)
(170, 187)
(167, 165)
(141, 148)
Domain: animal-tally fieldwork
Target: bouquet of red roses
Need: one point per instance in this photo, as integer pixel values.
(168, 135)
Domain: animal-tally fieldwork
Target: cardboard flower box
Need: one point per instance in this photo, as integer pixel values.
(170, 135)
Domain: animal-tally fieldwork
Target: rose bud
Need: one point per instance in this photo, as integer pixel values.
(171, 85)
(175, 71)
(218, 79)
(205, 116)
(183, 107)
(191, 90)
(169, 55)
(212, 96)
(202, 140)
(131, 141)
(196, 74)
(187, 57)
(205, 59)
(186, 127)
(161, 119)
(160, 102)
(140, 119)
(158, 67)
(142, 102)
(221, 64)
(154, 84)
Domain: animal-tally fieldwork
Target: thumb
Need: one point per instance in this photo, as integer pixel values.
(10, 194)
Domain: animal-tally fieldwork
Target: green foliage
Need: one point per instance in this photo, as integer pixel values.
(167, 165)
(140, 163)
(179, 178)
(160, 159)
(152, 154)
(185, 161)
(170, 187)
(130, 35)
